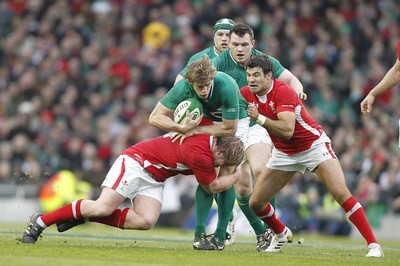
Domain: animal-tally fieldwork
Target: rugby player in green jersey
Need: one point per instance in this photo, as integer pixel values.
(233, 62)
(221, 41)
(224, 114)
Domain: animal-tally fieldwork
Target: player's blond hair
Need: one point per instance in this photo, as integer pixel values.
(232, 148)
(201, 71)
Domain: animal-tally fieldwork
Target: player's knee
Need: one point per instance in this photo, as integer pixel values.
(242, 190)
(341, 195)
(257, 173)
(147, 222)
(255, 205)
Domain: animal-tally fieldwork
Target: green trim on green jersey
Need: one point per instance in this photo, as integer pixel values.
(224, 101)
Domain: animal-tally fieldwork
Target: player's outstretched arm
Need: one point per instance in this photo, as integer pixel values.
(391, 79)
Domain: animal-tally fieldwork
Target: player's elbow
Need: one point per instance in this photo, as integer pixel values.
(230, 130)
(152, 119)
(287, 134)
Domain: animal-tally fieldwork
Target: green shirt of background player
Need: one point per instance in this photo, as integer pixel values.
(221, 43)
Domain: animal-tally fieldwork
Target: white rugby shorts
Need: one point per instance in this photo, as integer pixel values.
(319, 152)
(257, 134)
(127, 177)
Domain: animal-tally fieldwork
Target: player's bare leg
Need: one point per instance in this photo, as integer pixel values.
(267, 185)
(332, 175)
(144, 213)
(257, 156)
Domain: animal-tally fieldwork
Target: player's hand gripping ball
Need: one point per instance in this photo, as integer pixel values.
(193, 105)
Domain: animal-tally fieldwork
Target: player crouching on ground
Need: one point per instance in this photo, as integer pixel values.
(139, 174)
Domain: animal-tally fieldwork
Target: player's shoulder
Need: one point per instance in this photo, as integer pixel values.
(245, 91)
(209, 51)
(222, 57)
(224, 84)
(198, 144)
(223, 75)
(283, 88)
(201, 139)
(280, 84)
(225, 78)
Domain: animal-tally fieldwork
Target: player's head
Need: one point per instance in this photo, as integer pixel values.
(221, 33)
(241, 42)
(230, 150)
(259, 74)
(200, 74)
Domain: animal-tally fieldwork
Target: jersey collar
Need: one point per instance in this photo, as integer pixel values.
(215, 51)
(263, 98)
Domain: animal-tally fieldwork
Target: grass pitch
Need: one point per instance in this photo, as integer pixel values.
(98, 245)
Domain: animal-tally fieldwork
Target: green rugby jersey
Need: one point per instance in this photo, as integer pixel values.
(225, 63)
(210, 51)
(224, 101)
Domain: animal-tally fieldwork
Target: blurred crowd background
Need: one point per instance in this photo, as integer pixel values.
(78, 80)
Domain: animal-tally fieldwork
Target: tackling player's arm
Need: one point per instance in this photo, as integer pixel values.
(228, 175)
(160, 117)
(228, 127)
(283, 127)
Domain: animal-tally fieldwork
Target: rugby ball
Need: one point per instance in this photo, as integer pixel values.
(193, 105)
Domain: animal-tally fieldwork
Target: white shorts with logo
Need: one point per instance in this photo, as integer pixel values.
(132, 181)
(319, 152)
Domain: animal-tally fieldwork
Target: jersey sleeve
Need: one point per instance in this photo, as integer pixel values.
(230, 99)
(278, 68)
(287, 99)
(175, 95)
